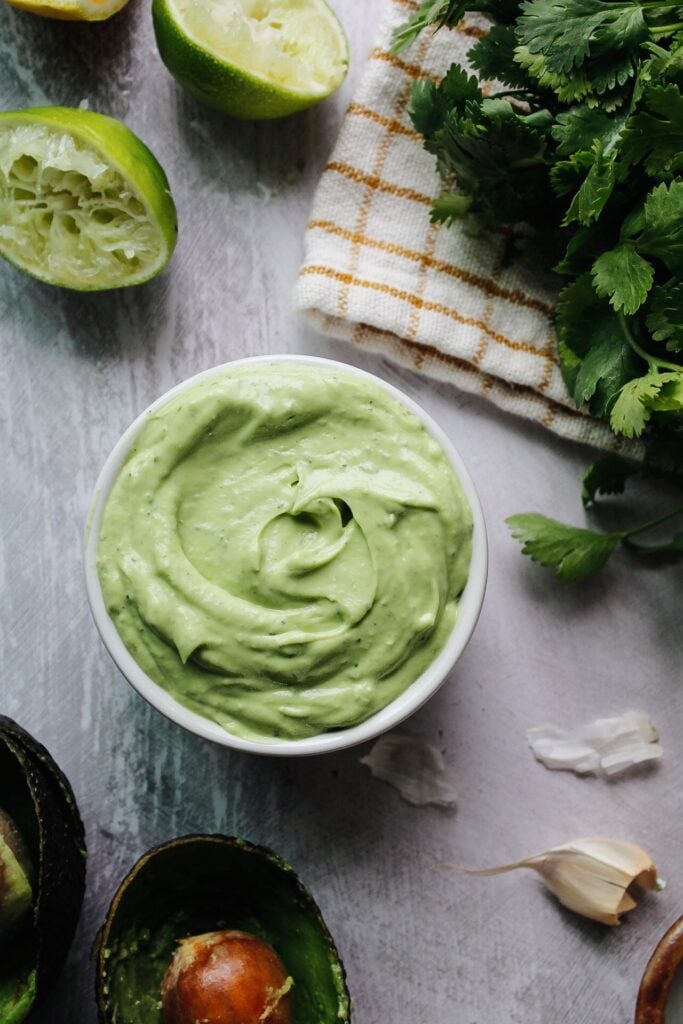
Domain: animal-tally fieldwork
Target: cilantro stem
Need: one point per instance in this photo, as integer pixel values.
(665, 30)
(624, 534)
(652, 361)
(654, 5)
(672, 548)
(628, 334)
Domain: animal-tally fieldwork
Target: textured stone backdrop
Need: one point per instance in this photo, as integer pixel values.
(421, 946)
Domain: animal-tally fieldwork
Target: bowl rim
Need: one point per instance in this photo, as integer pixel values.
(659, 976)
(388, 717)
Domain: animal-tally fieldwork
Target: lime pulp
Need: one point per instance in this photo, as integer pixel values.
(83, 203)
(253, 59)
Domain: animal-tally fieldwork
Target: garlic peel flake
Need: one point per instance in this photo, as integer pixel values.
(414, 767)
(609, 745)
(592, 876)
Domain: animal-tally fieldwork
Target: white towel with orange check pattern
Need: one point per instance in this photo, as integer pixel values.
(377, 273)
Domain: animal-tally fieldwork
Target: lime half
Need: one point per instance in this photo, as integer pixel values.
(83, 202)
(71, 10)
(253, 59)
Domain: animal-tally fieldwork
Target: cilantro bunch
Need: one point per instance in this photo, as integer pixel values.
(581, 147)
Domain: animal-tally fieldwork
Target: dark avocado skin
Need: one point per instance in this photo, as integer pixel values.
(202, 883)
(37, 796)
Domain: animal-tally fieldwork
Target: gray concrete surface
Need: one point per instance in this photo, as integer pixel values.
(421, 946)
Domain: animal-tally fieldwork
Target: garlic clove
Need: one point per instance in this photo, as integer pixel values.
(591, 877)
(628, 859)
(585, 884)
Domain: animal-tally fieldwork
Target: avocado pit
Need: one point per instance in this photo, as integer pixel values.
(226, 977)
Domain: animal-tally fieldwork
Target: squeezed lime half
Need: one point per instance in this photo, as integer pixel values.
(253, 59)
(84, 204)
(71, 10)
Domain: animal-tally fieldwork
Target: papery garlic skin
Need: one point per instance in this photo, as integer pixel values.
(589, 876)
(609, 745)
(414, 767)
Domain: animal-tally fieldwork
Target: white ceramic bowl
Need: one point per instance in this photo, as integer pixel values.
(402, 706)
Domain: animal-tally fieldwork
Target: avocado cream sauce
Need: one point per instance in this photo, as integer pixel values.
(284, 548)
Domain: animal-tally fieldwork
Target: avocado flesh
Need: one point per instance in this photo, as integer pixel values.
(18, 949)
(17, 989)
(202, 884)
(17, 995)
(16, 894)
(45, 835)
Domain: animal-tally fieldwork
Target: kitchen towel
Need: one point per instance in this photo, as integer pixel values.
(377, 272)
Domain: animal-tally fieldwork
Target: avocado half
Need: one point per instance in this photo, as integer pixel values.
(204, 883)
(42, 871)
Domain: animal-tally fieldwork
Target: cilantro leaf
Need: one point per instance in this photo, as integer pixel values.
(607, 476)
(567, 32)
(662, 234)
(670, 395)
(494, 58)
(654, 134)
(661, 64)
(570, 364)
(595, 190)
(578, 128)
(427, 14)
(609, 72)
(567, 175)
(623, 276)
(634, 405)
(567, 88)
(601, 372)
(582, 49)
(665, 319)
(589, 328)
(572, 552)
(630, 412)
(583, 248)
(433, 106)
(494, 154)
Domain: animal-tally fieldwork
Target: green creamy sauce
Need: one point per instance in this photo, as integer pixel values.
(284, 548)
